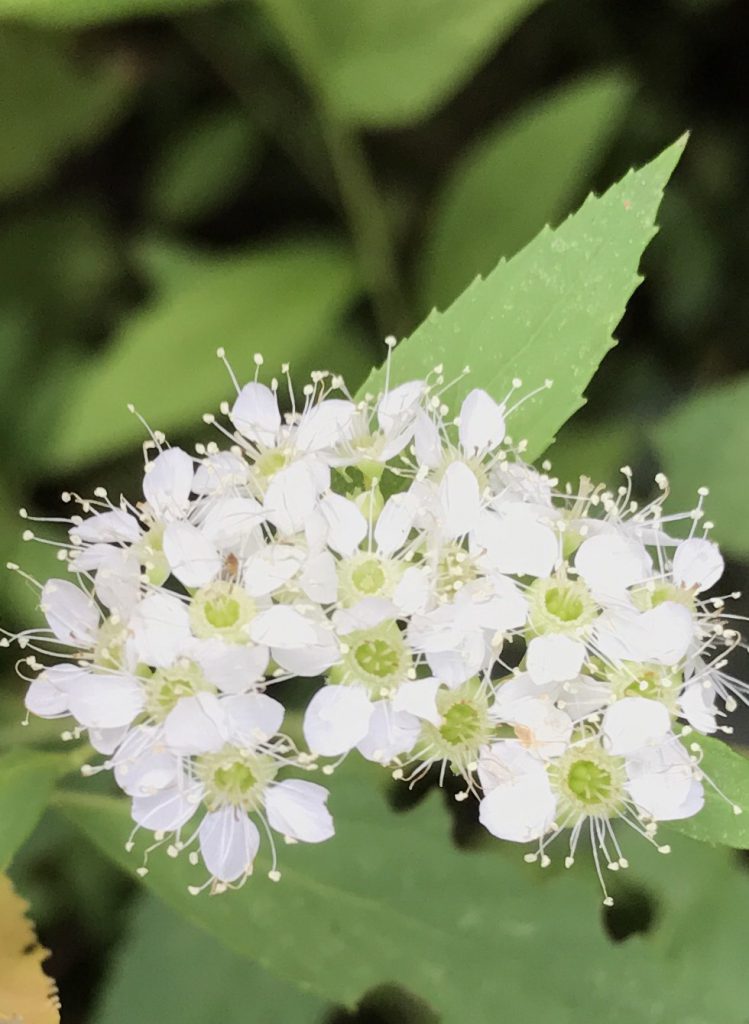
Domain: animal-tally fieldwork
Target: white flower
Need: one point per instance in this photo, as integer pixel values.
(698, 564)
(633, 723)
(519, 804)
(168, 482)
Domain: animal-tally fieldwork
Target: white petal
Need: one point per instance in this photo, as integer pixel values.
(72, 615)
(454, 667)
(312, 659)
(413, 591)
(196, 725)
(232, 668)
(670, 630)
(296, 808)
(110, 527)
(394, 523)
(117, 582)
(47, 696)
(399, 405)
(697, 705)
(168, 482)
(635, 722)
(516, 543)
(145, 771)
(419, 699)
(229, 842)
(105, 701)
(319, 578)
(336, 719)
(520, 811)
(482, 423)
(291, 497)
(611, 562)
(326, 425)
(220, 472)
(347, 527)
(365, 614)
(662, 782)
(282, 626)
(698, 563)
(255, 414)
(520, 805)
(663, 634)
(106, 741)
(252, 718)
(160, 626)
(494, 603)
(504, 761)
(543, 729)
(271, 567)
(390, 733)
(460, 500)
(233, 524)
(427, 444)
(191, 556)
(554, 658)
(167, 810)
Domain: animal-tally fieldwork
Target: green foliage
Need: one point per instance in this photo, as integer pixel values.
(389, 63)
(27, 778)
(160, 360)
(48, 114)
(80, 13)
(446, 924)
(202, 165)
(501, 191)
(169, 971)
(703, 443)
(547, 314)
(595, 451)
(718, 821)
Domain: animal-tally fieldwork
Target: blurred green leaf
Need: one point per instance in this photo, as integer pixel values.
(50, 103)
(61, 263)
(19, 598)
(718, 821)
(169, 971)
(391, 899)
(283, 301)
(27, 778)
(203, 165)
(703, 442)
(596, 450)
(548, 313)
(78, 13)
(388, 63)
(518, 177)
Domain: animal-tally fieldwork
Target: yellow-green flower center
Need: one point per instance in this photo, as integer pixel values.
(234, 777)
(560, 605)
(222, 609)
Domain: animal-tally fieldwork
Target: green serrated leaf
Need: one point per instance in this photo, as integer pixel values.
(78, 13)
(50, 104)
(390, 899)
(285, 301)
(390, 63)
(519, 176)
(154, 977)
(691, 441)
(718, 821)
(547, 314)
(27, 778)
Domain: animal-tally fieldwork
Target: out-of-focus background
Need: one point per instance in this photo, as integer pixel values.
(302, 178)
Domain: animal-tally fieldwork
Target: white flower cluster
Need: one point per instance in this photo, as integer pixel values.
(552, 648)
